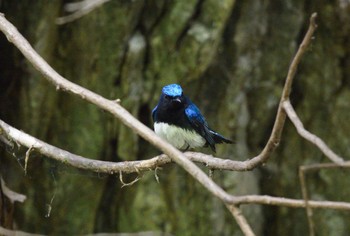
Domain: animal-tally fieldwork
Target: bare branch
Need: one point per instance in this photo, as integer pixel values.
(11, 195)
(276, 133)
(134, 166)
(308, 168)
(127, 184)
(318, 166)
(49, 206)
(14, 36)
(309, 136)
(241, 220)
(115, 109)
(156, 174)
(79, 10)
(30, 149)
(99, 166)
(126, 118)
(75, 160)
(119, 112)
(297, 58)
(287, 202)
(305, 194)
(228, 164)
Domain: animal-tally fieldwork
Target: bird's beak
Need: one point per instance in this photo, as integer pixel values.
(177, 100)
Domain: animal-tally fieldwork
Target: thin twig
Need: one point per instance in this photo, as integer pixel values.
(305, 194)
(322, 146)
(308, 168)
(211, 173)
(127, 184)
(241, 220)
(287, 202)
(318, 166)
(30, 149)
(277, 129)
(49, 206)
(297, 58)
(156, 174)
(309, 136)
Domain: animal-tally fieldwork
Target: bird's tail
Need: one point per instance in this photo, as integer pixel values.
(218, 138)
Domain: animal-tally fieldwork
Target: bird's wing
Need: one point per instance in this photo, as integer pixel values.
(199, 124)
(154, 113)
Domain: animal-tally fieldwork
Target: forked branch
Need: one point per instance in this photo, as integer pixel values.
(172, 154)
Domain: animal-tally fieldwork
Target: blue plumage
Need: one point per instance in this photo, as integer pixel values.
(180, 122)
(172, 90)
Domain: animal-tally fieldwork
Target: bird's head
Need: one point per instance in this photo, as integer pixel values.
(172, 96)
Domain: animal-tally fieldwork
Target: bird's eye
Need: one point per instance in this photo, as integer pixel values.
(167, 96)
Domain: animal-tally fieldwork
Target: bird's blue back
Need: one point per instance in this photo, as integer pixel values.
(193, 113)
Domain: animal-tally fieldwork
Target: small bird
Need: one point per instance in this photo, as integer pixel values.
(180, 122)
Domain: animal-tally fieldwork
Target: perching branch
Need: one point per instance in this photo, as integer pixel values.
(276, 133)
(77, 161)
(171, 153)
(119, 112)
(105, 166)
(139, 166)
(112, 167)
(112, 107)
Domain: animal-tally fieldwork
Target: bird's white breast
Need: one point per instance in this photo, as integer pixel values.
(178, 137)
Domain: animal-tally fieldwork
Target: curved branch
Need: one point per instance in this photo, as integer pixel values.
(112, 107)
(11, 133)
(136, 166)
(273, 142)
(277, 129)
(107, 167)
(119, 112)
(122, 114)
(309, 136)
(184, 160)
